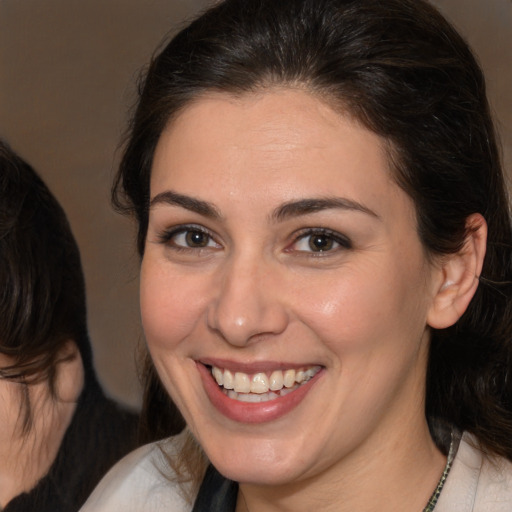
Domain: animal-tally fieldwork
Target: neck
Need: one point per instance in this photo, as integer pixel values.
(381, 476)
(26, 456)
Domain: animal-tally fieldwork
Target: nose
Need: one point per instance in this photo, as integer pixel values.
(248, 303)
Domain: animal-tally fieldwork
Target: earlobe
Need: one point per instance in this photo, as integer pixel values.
(460, 274)
(69, 379)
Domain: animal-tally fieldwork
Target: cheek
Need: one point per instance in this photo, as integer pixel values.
(364, 307)
(170, 313)
(342, 298)
(171, 306)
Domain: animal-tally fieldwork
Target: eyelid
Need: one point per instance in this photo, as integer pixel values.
(342, 240)
(165, 236)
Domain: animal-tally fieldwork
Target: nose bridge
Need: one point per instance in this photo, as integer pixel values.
(247, 302)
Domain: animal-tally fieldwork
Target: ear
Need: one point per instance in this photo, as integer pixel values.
(459, 276)
(69, 373)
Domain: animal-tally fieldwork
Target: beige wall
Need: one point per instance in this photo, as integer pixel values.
(487, 26)
(67, 70)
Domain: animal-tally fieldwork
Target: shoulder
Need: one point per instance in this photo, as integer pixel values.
(143, 480)
(495, 485)
(477, 483)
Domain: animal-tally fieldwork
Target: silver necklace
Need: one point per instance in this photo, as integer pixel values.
(431, 505)
(432, 502)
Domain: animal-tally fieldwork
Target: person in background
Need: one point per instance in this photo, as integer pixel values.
(59, 433)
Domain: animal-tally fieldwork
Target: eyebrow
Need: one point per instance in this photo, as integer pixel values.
(313, 205)
(281, 213)
(171, 198)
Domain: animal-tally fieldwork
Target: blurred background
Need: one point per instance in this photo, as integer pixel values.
(68, 70)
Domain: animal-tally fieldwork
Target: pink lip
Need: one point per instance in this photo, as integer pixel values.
(245, 412)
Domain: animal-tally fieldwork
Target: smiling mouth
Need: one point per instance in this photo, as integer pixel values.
(263, 386)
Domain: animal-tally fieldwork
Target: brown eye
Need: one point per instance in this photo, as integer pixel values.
(321, 240)
(196, 239)
(188, 238)
(319, 243)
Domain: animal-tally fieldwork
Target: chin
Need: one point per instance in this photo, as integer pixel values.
(259, 462)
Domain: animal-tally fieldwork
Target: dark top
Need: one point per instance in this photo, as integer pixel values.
(216, 494)
(100, 433)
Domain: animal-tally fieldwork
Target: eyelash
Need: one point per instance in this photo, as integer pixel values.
(166, 237)
(333, 237)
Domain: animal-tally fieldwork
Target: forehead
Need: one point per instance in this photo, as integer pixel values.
(266, 131)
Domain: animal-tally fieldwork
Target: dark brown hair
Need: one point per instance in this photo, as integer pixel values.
(42, 291)
(402, 70)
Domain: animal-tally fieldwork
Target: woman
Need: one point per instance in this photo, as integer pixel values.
(326, 265)
(59, 434)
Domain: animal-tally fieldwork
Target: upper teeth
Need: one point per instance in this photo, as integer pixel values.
(261, 382)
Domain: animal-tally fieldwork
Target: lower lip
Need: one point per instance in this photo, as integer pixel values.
(246, 412)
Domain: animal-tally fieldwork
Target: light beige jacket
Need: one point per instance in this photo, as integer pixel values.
(476, 483)
(138, 484)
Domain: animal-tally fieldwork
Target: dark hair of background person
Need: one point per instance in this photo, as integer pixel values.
(400, 69)
(42, 290)
(42, 308)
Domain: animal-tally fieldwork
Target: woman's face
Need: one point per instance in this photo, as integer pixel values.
(283, 262)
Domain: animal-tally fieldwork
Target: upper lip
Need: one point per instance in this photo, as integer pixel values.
(253, 367)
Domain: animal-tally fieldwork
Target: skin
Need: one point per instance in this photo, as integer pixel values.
(256, 293)
(27, 457)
